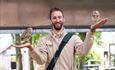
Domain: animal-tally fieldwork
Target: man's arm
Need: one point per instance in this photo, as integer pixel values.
(87, 44)
(39, 54)
(83, 48)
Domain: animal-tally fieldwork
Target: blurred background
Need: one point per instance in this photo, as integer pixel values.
(22, 13)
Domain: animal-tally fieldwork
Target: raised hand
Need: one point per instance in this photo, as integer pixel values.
(97, 21)
(98, 24)
(25, 45)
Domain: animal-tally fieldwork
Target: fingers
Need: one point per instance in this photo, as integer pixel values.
(27, 45)
(99, 24)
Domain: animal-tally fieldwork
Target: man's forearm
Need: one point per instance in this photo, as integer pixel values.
(88, 43)
(39, 57)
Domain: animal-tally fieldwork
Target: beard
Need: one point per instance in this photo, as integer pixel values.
(58, 26)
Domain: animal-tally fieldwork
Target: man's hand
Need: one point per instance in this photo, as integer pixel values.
(98, 24)
(97, 21)
(27, 45)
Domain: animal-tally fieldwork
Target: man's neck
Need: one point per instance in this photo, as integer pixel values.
(58, 31)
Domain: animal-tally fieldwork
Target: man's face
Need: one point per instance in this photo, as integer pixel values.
(57, 20)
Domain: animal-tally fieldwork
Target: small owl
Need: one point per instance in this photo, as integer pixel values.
(26, 35)
(97, 20)
(95, 16)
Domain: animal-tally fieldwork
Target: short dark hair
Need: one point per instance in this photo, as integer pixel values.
(55, 9)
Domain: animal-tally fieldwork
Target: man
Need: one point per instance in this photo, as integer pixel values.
(49, 44)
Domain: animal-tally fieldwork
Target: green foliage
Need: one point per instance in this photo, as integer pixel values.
(81, 60)
(93, 55)
(82, 35)
(36, 37)
(97, 38)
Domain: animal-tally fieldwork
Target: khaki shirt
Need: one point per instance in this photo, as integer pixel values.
(49, 44)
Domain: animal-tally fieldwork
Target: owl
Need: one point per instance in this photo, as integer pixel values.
(26, 35)
(97, 20)
(95, 16)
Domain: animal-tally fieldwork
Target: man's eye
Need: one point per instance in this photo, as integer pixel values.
(94, 15)
(60, 17)
(54, 17)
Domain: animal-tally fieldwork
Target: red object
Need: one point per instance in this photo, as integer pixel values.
(28, 45)
(99, 24)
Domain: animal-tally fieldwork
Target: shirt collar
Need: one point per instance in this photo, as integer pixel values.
(57, 34)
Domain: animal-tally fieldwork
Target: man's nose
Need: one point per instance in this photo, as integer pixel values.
(57, 19)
